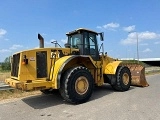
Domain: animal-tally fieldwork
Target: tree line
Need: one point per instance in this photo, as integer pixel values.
(6, 65)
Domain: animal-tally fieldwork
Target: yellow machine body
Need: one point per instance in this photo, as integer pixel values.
(45, 68)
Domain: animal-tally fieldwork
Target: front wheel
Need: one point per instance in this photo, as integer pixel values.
(77, 85)
(123, 79)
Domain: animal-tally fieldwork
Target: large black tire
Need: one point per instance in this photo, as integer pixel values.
(77, 85)
(123, 79)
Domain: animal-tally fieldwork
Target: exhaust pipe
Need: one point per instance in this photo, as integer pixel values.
(41, 41)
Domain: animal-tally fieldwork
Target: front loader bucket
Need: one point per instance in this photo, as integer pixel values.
(138, 75)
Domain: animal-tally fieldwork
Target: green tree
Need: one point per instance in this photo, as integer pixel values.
(6, 64)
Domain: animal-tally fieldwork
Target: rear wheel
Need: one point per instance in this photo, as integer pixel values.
(123, 79)
(76, 85)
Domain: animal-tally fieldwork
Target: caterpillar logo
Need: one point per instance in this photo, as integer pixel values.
(55, 54)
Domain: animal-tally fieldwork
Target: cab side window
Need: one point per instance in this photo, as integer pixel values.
(75, 41)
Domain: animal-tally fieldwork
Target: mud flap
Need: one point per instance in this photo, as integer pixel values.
(138, 75)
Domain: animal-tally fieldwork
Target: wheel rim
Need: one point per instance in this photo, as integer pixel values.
(81, 85)
(125, 78)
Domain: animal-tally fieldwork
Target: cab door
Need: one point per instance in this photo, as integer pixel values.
(90, 45)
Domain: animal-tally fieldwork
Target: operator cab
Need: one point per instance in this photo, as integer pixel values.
(85, 40)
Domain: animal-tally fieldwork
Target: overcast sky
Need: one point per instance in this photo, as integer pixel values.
(121, 21)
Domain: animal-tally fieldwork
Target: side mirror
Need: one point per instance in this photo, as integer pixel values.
(101, 36)
(67, 45)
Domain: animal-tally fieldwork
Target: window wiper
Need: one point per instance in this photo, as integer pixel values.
(92, 39)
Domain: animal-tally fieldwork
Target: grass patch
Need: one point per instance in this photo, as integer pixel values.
(14, 93)
(9, 94)
(152, 72)
(135, 62)
(4, 75)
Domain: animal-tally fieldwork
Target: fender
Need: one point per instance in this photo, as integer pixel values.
(57, 69)
(112, 67)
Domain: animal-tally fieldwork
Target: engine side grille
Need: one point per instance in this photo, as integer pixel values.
(15, 65)
(41, 60)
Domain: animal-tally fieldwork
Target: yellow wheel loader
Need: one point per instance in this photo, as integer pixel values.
(73, 70)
